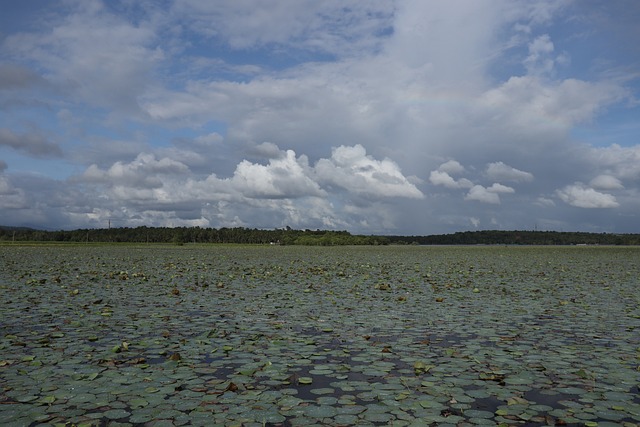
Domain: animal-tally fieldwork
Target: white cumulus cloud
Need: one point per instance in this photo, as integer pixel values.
(144, 171)
(488, 194)
(439, 177)
(581, 196)
(452, 167)
(502, 172)
(286, 177)
(442, 175)
(482, 194)
(353, 170)
(606, 182)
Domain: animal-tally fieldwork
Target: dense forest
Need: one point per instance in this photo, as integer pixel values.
(182, 235)
(499, 237)
(289, 236)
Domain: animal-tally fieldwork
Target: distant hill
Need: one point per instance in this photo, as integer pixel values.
(288, 236)
(11, 228)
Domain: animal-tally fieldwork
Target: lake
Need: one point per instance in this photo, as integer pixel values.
(297, 336)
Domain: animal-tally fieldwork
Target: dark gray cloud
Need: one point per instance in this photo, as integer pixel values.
(34, 143)
(13, 76)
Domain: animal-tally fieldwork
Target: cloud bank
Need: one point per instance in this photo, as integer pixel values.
(392, 117)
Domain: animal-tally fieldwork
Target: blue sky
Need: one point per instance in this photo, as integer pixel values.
(386, 117)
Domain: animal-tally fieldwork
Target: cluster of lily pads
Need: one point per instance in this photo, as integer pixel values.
(291, 336)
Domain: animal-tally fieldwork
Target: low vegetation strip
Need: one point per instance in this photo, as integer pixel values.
(288, 236)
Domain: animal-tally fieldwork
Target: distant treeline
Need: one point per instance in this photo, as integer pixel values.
(181, 235)
(289, 236)
(499, 237)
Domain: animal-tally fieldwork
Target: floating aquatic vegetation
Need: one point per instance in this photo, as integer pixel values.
(92, 335)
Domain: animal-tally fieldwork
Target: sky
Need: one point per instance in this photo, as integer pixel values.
(396, 117)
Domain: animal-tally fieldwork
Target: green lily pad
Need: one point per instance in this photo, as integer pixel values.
(115, 414)
(48, 400)
(322, 411)
(26, 398)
